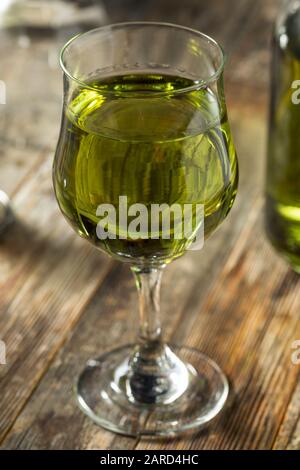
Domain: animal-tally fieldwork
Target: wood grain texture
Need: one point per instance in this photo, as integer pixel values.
(288, 437)
(46, 279)
(108, 322)
(62, 303)
(257, 357)
(38, 252)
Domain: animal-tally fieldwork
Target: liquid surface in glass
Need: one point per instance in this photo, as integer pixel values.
(153, 148)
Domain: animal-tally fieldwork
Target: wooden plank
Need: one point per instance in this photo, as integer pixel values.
(47, 276)
(110, 322)
(288, 437)
(106, 324)
(15, 167)
(25, 132)
(50, 418)
(39, 252)
(250, 336)
(30, 119)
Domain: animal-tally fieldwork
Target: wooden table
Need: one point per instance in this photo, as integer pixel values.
(62, 303)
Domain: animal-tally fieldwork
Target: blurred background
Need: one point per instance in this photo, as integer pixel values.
(33, 31)
(49, 276)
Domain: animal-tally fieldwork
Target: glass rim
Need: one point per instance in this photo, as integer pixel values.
(196, 86)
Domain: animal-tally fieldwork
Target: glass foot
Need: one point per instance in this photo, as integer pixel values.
(198, 392)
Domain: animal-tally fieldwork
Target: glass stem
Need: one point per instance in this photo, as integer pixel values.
(148, 282)
(154, 370)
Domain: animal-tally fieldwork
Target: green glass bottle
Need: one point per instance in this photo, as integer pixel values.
(283, 167)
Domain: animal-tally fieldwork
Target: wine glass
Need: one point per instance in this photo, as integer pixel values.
(144, 136)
